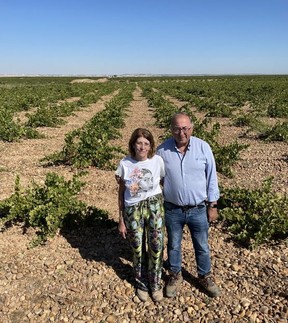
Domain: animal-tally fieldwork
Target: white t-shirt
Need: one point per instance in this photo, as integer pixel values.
(141, 178)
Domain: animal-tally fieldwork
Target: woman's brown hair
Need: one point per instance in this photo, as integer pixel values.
(145, 133)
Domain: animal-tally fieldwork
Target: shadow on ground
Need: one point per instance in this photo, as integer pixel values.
(103, 243)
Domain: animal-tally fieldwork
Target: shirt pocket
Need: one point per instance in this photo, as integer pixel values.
(199, 163)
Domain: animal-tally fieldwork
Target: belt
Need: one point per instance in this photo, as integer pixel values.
(185, 208)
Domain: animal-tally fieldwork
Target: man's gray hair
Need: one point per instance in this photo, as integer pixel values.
(178, 114)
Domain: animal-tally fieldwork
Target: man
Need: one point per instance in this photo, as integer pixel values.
(190, 197)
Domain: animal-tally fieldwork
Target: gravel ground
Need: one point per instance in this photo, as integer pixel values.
(86, 275)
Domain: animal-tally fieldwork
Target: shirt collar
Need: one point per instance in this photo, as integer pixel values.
(188, 146)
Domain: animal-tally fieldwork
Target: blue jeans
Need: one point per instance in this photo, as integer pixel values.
(197, 221)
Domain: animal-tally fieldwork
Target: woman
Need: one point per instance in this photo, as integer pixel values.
(141, 212)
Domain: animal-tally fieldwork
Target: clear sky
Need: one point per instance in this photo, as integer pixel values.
(91, 37)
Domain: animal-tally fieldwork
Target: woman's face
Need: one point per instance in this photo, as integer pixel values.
(141, 147)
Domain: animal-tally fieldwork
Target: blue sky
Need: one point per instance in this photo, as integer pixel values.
(150, 36)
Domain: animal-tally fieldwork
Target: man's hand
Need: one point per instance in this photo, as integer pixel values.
(212, 214)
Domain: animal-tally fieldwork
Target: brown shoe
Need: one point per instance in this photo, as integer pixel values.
(207, 282)
(174, 284)
(157, 295)
(142, 294)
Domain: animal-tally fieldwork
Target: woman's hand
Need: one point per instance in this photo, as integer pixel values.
(122, 228)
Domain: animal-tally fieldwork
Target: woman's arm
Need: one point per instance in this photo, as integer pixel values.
(121, 226)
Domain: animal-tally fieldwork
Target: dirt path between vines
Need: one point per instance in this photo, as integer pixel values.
(86, 275)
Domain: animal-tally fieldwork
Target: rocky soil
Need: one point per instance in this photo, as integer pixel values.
(86, 275)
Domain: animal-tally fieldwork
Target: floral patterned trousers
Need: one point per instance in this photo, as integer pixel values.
(145, 230)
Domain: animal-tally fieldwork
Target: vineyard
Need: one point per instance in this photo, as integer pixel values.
(60, 140)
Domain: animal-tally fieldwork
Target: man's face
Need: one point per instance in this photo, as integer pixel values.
(181, 130)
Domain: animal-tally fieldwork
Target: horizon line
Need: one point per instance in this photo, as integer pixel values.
(135, 74)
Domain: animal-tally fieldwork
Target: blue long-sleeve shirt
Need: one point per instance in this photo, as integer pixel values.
(190, 178)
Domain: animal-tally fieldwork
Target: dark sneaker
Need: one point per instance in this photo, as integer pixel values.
(142, 294)
(174, 284)
(209, 285)
(157, 295)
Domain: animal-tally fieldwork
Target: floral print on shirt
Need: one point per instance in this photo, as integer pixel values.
(140, 180)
